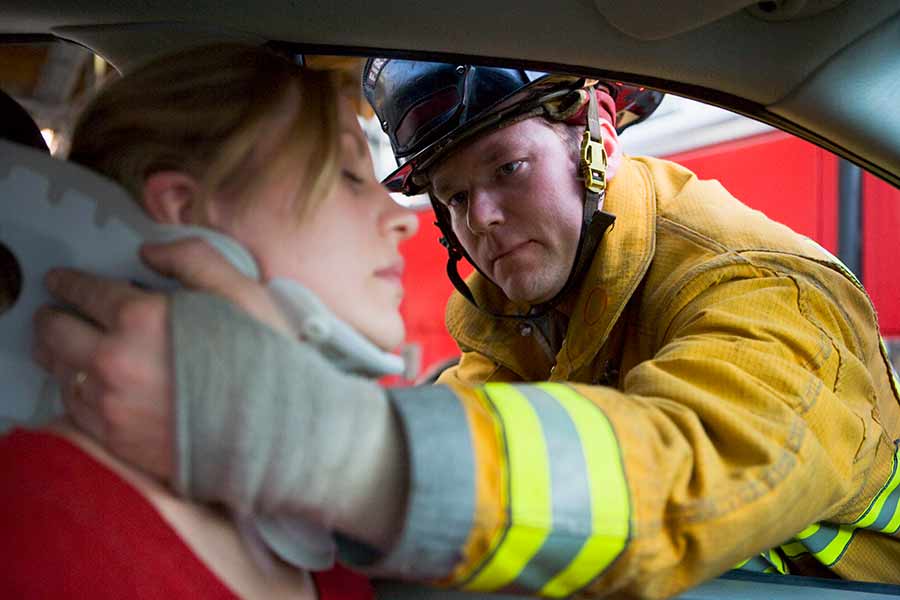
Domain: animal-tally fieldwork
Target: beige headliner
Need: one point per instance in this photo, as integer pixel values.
(830, 67)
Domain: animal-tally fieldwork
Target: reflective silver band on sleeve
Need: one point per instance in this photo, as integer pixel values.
(441, 501)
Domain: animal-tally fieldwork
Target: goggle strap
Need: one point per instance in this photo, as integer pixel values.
(593, 228)
(593, 116)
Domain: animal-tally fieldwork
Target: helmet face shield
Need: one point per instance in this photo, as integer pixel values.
(426, 117)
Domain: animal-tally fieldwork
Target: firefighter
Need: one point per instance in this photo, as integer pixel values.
(657, 383)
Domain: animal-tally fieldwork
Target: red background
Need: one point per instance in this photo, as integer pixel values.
(790, 180)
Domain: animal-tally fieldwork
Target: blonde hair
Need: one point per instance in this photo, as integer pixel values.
(204, 112)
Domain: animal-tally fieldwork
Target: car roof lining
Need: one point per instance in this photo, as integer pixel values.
(802, 56)
(823, 103)
(791, 50)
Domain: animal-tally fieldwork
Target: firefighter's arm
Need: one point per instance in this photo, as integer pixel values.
(728, 442)
(268, 427)
(475, 369)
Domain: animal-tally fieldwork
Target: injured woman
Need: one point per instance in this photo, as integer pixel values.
(237, 140)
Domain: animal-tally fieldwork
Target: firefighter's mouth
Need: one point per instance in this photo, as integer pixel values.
(508, 252)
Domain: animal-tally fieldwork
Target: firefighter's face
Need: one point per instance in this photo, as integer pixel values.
(345, 250)
(516, 207)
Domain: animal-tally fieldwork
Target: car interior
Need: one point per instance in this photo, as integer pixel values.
(827, 71)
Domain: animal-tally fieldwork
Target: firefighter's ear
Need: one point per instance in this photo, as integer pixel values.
(613, 148)
(171, 197)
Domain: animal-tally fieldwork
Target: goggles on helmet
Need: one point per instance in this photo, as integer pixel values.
(429, 108)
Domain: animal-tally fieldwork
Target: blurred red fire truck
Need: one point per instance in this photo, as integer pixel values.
(851, 213)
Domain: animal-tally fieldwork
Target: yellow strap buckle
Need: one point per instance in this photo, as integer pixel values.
(593, 164)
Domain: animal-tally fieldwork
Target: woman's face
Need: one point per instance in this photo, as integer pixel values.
(345, 251)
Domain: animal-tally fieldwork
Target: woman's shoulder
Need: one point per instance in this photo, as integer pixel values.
(41, 467)
(71, 523)
(75, 518)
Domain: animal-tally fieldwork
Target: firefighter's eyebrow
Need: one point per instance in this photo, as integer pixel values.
(443, 187)
(440, 187)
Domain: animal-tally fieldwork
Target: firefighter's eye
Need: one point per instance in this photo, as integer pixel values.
(456, 200)
(510, 167)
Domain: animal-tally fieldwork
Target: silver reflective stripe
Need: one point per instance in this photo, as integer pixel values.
(441, 502)
(823, 536)
(886, 515)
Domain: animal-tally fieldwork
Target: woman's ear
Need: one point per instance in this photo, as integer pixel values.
(171, 197)
(613, 148)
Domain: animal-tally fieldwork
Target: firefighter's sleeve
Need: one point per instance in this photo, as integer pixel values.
(751, 421)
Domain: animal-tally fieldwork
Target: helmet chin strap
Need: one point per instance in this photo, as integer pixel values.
(594, 222)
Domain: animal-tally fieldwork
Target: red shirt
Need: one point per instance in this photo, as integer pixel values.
(73, 528)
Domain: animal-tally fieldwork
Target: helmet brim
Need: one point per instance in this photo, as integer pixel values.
(524, 103)
(633, 104)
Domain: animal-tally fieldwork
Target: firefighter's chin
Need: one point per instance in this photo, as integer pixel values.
(533, 287)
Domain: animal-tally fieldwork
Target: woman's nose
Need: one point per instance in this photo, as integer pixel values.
(482, 212)
(400, 219)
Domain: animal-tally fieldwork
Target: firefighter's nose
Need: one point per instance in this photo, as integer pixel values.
(483, 212)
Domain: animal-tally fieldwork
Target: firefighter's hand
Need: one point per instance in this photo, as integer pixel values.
(114, 359)
(113, 365)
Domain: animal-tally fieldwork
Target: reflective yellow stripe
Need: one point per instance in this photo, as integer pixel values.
(872, 513)
(529, 493)
(832, 552)
(808, 532)
(610, 504)
(873, 518)
(775, 558)
(765, 562)
(794, 549)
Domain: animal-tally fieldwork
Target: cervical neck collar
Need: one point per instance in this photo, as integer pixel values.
(60, 214)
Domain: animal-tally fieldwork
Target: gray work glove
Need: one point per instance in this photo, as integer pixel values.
(267, 426)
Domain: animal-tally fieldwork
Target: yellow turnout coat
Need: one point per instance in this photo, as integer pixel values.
(721, 399)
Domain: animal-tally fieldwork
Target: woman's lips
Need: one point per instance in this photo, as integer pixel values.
(392, 273)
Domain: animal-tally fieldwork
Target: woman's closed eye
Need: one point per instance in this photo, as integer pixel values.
(352, 177)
